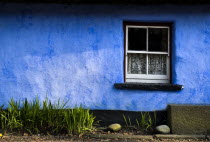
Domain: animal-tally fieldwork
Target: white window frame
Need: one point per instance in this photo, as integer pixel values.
(146, 78)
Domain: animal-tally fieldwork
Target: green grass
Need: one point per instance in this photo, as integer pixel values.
(45, 117)
(145, 122)
(78, 120)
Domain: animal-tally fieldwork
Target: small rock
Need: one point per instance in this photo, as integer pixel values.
(25, 134)
(163, 129)
(114, 127)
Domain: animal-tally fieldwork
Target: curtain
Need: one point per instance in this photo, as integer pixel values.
(137, 64)
(157, 64)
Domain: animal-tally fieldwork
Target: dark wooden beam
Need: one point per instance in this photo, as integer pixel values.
(113, 1)
(149, 86)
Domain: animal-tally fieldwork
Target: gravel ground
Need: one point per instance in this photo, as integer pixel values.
(84, 139)
(125, 135)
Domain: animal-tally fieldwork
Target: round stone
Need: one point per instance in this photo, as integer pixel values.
(114, 127)
(163, 129)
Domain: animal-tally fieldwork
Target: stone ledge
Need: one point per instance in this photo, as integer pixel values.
(173, 136)
(121, 136)
(149, 86)
(148, 137)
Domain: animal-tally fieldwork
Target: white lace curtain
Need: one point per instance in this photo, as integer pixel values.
(137, 64)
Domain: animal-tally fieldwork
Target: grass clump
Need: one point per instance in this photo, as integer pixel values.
(45, 117)
(78, 120)
(144, 123)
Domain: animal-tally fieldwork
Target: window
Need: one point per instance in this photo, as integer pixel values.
(147, 53)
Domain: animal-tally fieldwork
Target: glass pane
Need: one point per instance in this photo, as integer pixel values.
(136, 64)
(157, 64)
(158, 39)
(137, 39)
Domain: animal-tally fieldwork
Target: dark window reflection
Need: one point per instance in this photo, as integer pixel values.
(137, 39)
(158, 39)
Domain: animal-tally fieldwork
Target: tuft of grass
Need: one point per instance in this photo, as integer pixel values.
(45, 117)
(127, 121)
(145, 122)
(10, 119)
(78, 120)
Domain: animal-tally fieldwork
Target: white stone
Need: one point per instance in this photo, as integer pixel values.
(114, 127)
(163, 129)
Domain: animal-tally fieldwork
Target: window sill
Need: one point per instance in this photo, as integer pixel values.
(149, 86)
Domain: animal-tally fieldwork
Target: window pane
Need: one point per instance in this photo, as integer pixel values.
(136, 64)
(137, 39)
(157, 64)
(158, 39)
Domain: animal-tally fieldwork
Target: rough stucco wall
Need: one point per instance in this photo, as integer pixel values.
(76, 52)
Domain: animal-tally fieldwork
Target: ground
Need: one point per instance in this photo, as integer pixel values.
(101, 134)
(36, 138)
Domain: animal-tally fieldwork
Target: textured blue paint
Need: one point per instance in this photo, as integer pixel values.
(76, 52)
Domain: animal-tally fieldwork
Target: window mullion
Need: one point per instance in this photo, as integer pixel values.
(169, 42)
(126, 54)
(147, 51)
(147, 40)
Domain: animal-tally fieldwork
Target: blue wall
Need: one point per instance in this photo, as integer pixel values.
(76, 52)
